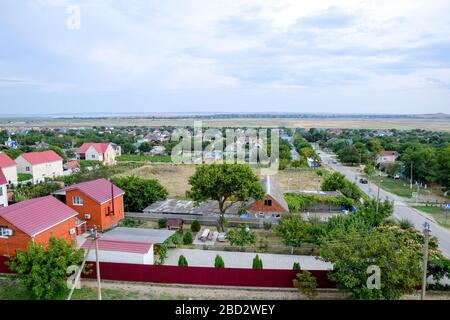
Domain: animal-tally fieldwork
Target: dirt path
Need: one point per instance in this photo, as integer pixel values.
(185, 292)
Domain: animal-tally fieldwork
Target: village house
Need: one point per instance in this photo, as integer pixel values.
(103, 152)
(3, 190)
(273, 202)
(35, 220)
(9, 168)
(99, 203)
(41, 165)
(387, 156)
(71, 166)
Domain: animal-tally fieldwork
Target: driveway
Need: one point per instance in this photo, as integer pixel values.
(205, 258)
(401, 208)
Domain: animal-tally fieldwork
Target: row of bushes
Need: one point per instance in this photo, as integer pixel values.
(298, 203)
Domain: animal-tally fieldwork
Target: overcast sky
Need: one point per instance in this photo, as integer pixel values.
(345, 56)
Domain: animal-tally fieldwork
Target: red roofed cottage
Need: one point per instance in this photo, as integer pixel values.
(93, 202)
(41, 165)
(9, 168)
(35, 220)
(3, 190)
(103, 152)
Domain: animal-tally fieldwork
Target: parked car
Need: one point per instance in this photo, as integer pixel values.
(363, 181)
(396, 176)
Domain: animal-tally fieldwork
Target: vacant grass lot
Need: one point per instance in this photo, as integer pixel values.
(175, 177)
(441, 215)
(398, 187)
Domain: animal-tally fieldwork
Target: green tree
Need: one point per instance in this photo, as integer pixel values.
(42, 271)
(306, 283)
(292, 230)
(225, 183)
(241, 236)
(296, 266)
(195, 226)
(393, 250)
(182, 261)
(349, 154)
(145, 147)
(218, 262)
(140, 193)
(128, 148)
(188, 238)
(257, 263)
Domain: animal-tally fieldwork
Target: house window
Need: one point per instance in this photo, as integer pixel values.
(1, 191)
(77, 201)
(268, 202)
(27, 169)
(93, 156)
(5, 232)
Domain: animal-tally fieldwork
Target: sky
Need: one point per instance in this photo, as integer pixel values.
(336, 56)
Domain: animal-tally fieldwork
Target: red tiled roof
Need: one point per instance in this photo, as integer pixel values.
(389, 153)
(41, 157)
(2, 178)
(99, 147)
(118, 245)
(6, 161)
(37, 215)
(98, 190)
(72, 164)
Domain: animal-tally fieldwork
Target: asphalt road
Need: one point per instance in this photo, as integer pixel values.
(401, 208)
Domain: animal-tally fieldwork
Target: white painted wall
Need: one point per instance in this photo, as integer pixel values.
(40, 171)
(3, 196)
(10, 174)
(122, 257)
(108, 158)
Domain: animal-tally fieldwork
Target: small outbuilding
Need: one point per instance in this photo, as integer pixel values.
(120, 251)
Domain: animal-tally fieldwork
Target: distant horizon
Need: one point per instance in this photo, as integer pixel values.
(204, 113)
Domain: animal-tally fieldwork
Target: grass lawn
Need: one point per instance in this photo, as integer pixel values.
(438, 214)
(10, 290)
(398, 187)
(175, 177)
(142, 158)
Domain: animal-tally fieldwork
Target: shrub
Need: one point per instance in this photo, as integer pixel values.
(162, 223)
(306, 283)
(296, 266)
(257, 263)
(187, 238)
(267, 225)
(176, 239)
(218, 262)
(195, 226)
(405, 224)
(182, 262)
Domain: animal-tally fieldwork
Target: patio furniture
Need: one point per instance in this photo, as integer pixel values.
(204, 235)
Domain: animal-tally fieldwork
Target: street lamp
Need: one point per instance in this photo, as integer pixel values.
(426, 234)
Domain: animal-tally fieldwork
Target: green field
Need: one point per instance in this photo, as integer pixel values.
(398, 187)
(132, 157)
(438, 213)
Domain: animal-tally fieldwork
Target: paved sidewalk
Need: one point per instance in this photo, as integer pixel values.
(205, 258)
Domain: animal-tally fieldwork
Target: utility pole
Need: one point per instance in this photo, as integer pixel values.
(426, 233)
(378, 196)
(97, 265)
(410, 179)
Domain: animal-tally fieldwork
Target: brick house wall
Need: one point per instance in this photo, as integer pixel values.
(97, 211)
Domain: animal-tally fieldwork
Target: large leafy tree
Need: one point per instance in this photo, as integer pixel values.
(225, 183)
(139, 193)
(395, 251)
(337, 181)
(241, 236)
(42, 271)
(292, 230)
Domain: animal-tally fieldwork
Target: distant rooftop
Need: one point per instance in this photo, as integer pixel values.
(174, 206)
